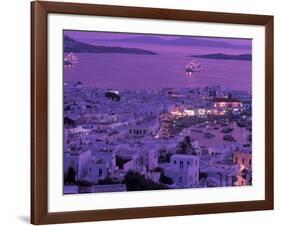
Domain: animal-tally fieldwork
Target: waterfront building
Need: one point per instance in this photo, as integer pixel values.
(227, 104)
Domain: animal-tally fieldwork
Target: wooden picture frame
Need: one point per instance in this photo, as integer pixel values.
(39, 109)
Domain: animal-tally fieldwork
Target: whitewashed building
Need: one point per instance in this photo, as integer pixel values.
(79, 162)
(184, 170)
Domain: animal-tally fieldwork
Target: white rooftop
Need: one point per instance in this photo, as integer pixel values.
(181, 156)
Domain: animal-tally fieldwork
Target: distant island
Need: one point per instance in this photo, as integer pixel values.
(221, 56)
(71, 45)
(181, 41)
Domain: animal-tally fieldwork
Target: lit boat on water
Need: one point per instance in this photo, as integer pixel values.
(70, 59)
(193, 66)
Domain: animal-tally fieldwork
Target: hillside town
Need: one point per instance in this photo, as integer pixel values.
(132, 140)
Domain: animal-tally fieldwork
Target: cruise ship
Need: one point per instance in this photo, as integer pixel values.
(193, 66)
(70, 59)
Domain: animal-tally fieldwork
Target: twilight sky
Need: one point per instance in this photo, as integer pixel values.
(92, 35)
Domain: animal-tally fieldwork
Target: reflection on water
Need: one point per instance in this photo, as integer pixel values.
(123, 71)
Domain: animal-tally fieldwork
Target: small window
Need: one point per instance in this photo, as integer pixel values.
(180, 180)
(181, 164)
(250, 161)
(175, 162)
(90, 169)
(243, 160)
(188, 163)
(100, 172)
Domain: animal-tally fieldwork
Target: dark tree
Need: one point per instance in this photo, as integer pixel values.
(120, 161)
(182, 148)
(68, 121)
(203, 175)
(168, 157)
(70, 178)
(136, 182)
(165, 158)
(166, 180)
(186, 147)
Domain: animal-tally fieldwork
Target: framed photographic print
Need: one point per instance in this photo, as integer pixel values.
(146, 112)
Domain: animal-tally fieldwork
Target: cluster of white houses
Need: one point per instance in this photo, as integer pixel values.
(107, 137)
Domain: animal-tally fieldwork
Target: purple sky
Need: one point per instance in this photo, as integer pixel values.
(92, 35)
